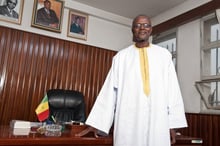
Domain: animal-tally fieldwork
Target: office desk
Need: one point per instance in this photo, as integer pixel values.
(68, 139)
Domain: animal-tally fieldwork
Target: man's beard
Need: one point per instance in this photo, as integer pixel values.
(140, 40)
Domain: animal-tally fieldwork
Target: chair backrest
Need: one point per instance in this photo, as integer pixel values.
(66, 105)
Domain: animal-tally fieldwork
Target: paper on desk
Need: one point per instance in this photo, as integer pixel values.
(21, 131)
(20, 124)
(24, 124)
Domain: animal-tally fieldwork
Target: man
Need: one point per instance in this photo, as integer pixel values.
(75, 26)
(47, 16)
(140, 95)
(8, 9)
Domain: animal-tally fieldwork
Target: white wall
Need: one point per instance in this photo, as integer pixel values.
(112, 32)
(188, 64)
(105, 30)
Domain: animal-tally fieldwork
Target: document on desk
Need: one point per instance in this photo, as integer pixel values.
(20, 124)
(21, 131)
(24, 124)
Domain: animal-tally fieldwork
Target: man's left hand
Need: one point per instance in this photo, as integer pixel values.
(173, 136)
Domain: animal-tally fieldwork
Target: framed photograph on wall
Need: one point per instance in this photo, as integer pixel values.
(11, 10)
(77, 25)
(47, 14)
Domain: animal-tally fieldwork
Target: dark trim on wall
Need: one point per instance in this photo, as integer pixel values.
(187, 16)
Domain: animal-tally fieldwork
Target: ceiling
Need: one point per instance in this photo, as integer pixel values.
(132, 8)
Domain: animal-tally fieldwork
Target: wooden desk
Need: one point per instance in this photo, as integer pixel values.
(68, 139)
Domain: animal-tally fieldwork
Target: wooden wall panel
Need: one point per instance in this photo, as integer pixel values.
(30, 64)
(205, 126)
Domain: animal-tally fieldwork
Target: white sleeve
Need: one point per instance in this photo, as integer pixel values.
(102, 114)
(177, 117)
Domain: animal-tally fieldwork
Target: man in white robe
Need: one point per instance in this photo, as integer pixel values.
(140, 118)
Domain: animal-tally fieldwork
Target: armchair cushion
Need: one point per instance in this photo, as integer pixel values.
(66, 105)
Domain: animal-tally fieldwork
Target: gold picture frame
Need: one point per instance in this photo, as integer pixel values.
(48, 19)
(15, 15)
(77, 25)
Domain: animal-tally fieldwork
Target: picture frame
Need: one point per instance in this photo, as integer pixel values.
(48, 20)
(15, 15)
(77, 25)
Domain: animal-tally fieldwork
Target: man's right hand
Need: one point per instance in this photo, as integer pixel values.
(87, 131)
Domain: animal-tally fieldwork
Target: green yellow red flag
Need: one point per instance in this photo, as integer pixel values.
(42, 109)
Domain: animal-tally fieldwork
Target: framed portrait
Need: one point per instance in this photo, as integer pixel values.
(77, 25)
(11, 10)
(47, 14)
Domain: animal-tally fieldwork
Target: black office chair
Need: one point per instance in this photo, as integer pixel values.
(66, 105)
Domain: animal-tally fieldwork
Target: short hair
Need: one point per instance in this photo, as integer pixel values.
(141, 15)
(10, 0)
(77, 17)
(47, 1)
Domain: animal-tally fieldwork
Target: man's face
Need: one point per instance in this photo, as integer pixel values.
(141, 29)
(12, 4)
(47, 5)
(77, 21)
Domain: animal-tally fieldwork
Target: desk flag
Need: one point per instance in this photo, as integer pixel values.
(42, 109)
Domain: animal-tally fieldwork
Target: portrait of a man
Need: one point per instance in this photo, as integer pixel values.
(8, 9)
(77, 25)
(47, 16)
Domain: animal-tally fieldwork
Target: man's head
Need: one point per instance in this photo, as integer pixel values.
(11, 4)
(77, 19)
(141, 29)
(47, 4)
